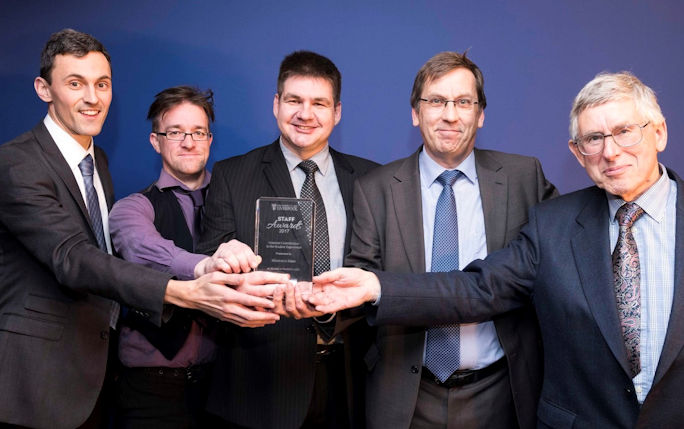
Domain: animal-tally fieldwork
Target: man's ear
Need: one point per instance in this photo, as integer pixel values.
(42, 89)
(575, 151)
(154, 141)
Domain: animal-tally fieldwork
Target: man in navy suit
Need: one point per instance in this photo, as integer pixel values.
(599, 265)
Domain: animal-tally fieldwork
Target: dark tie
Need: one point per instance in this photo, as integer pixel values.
(627, 273)
(87, 170)
(442, 355)
(321, 240)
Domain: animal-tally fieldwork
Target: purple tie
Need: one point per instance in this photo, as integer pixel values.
(627, 273)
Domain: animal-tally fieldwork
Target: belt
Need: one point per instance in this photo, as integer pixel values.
(465, 376)
(325, 351)
(191, 373)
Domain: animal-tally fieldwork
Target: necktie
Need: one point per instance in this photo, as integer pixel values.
(321, 240)
(627, 274)
(197, 197)
(442, 355)
(87, 170)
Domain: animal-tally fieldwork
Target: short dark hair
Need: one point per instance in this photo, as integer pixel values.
(171, 97)
(69, 42)
(310, 64)
(441, 64)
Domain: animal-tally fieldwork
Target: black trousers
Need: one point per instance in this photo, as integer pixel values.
(163, 398)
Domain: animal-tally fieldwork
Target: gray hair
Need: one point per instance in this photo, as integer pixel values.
(607, 87)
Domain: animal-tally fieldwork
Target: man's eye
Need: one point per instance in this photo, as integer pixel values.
(199, 134)
(593, 139)
(437, 102)
(75, 84)
(292, 102)
(103, 85)
(173, 133)
(463, 102)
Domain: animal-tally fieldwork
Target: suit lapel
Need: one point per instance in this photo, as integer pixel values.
(345, 179)
(406, 196)
(594, 266)
(105, 177)
(674, 339)
(493, 185)
(56, 160)
(275, 171)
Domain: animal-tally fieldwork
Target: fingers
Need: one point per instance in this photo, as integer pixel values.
(236, 257)
(249, 318)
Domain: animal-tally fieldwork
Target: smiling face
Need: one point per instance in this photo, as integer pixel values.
(626, 172)
(80, 94)
(185, 160)
(449, 133)
(306, 114)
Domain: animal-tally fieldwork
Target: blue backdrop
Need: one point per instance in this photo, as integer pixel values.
(535, 56)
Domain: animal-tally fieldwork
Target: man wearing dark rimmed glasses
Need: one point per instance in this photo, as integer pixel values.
(165, 370)
(493, 375)
(602, 267)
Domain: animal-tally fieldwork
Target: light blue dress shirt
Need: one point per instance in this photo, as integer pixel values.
(479, 345)
(654, 233)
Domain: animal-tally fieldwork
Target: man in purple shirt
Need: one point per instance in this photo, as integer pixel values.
(164, 373)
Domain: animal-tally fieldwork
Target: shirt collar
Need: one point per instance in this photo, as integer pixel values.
(322, 158)
(71, 150)
(653, 201)
(168, 181)
(430, 169)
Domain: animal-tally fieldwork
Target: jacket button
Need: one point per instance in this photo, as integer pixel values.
(628, 390)
(414, 369)
(104, 335)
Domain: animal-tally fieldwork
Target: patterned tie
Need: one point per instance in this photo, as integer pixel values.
(627, 274)
(321, 241)
(442, 355)
(87, 170)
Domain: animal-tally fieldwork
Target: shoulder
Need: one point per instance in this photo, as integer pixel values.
(571, 202)
(358, 165)
(134, 204)
(510, 160)
(244, 161)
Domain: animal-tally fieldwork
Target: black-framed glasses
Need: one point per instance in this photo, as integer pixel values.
(623, 136)
(179, 136)
(441, 103)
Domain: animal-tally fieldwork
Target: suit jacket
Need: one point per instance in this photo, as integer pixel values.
(263, 377)
(562, 261)
(55, 287)
(387, 235)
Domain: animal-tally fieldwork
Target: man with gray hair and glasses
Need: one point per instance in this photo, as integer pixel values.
(599, 265)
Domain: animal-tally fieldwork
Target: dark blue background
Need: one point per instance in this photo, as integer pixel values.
(535, 56)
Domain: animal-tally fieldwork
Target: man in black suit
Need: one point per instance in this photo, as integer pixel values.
(289, 375)
(602, 266)
(497, 380)
(58, 283)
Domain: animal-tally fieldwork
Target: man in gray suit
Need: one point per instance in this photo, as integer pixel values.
(495, 380)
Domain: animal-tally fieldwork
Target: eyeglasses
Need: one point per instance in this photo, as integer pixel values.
(625, 136)
(465, 104)
(179, 136)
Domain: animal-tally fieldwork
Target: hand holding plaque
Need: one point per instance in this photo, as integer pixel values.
(284, 236)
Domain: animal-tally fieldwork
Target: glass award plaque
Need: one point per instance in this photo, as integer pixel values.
(284, 236)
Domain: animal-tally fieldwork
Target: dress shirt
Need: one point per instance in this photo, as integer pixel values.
(137, 240)
(74, 153)
(326, 181)
(479, 343)
(654, 233)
